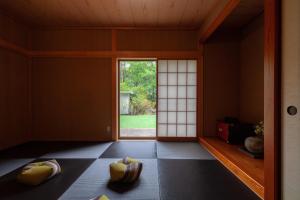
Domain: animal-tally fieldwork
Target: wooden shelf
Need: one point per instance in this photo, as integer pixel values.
(249, 170)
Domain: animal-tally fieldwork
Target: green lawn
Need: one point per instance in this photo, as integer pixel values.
(138, 121)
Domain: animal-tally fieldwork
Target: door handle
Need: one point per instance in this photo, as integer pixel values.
(292, 110)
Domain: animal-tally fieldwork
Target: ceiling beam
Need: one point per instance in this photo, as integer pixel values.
(215, 19)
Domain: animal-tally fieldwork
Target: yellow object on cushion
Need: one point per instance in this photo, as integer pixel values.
(35, 175)
(103, 197)
(126, 170)
(117, 171)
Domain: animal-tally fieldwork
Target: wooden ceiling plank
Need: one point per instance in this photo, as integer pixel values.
(117, 13)
(215, 19)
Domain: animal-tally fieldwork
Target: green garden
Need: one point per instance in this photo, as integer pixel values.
(138, 78)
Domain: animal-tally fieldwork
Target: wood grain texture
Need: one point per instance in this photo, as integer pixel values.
(13, 47)
(251, 93)
(74, 39)
(177, 139)
(200, 97)
(272, 99)
(221, 79)
(215, 19)
(243, 14)
(155, 40)
(14, 100)
(250, 171)
(71, 98)
(184, 13)
(115, 99)
(13, 32)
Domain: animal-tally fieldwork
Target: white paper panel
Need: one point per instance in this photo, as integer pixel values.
(162, 130)
(181, 105)
(191, 130)
(172, 66)
(191, 105)
(162, 66)
(172, 78)
(162, 117)
(181, 78)
(172, 91)
(182, 65)
(181, 117)
(162, 78)
(171, 130)
(191, 91)
(162, 105)
(181, 91)
(162, 92)
(191, 117)
(192, 66)
(172, 104)
(179, 82)
(192, 79)
(181, 130)
(172, 117)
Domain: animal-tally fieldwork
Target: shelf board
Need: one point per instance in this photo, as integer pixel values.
(249, 170)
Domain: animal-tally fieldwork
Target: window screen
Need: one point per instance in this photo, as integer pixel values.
(177, 98)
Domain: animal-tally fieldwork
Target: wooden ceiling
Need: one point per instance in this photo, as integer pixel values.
(243, 14)
(110, 13)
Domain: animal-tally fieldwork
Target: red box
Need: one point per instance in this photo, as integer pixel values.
(223, 131)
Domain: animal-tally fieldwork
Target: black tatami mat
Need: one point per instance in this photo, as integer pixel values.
(79, 150)
(51, 189)
(182, 150)
(136, 149)
(95, 181)
(27, 150)
(199, 179)
(8, 165)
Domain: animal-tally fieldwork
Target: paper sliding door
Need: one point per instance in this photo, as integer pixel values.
(177, 98)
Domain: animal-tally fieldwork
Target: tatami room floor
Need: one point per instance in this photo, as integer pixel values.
(170, 171)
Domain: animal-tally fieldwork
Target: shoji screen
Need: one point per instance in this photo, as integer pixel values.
(177, 98)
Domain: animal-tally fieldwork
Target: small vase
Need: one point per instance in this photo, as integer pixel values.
(254, 144)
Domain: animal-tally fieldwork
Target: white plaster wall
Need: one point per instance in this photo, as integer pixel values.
(290, 96)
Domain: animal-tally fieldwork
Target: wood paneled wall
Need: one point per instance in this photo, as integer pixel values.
(71, 39)
(234, 76)
(221, 83)
(13, 32)
(252, 72)
(14, 86)
(73, 96)
(154, 40)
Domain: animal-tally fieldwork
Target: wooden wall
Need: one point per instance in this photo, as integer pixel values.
(234, 75)
(221, 83)
(71, 98)
(154, 40)
(72, 95)
(252, 72)
(14, 86)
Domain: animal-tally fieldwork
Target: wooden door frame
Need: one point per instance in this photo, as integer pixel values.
(272, 72)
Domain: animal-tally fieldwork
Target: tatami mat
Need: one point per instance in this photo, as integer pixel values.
(199, 179)
(182, 150)
(52, 189)
(93, 150)
(8, 165)
(94, 182)
(136, 149)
